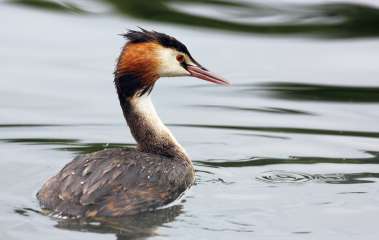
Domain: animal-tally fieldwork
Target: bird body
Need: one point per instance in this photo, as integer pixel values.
(120, 182)
(115, 182)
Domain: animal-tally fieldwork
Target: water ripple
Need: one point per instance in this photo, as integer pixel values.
(314, 92)
(280, 176)
(284, 177)
(255, 161)
(275, 110)
(323, 19)
(67, 144)
(312, 131)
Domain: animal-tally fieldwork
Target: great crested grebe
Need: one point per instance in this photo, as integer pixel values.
(120, 182)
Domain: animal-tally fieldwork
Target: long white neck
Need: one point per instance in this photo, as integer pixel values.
(148, 130)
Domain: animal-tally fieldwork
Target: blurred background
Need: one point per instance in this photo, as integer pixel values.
(289, 151)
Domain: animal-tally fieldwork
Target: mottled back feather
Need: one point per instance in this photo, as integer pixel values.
(115, 182)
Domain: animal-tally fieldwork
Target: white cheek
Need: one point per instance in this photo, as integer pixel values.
(168, 65)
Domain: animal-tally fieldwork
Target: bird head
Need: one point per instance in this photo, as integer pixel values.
(149, 55)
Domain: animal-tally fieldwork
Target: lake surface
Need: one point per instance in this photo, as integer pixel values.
(289, 151)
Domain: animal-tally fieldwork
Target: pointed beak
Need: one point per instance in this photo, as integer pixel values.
(202, 73)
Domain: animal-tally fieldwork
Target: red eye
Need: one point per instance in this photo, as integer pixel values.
(180, 58)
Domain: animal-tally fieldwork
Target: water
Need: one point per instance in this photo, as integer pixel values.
(289, 151)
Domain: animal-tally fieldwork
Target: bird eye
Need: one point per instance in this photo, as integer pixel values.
(180, 58)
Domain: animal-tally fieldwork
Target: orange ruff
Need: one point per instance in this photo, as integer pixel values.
(138, 59)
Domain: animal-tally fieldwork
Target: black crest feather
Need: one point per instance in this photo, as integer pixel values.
(153, 36)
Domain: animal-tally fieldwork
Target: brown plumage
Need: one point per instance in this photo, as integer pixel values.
(115, 182)
(121, 182)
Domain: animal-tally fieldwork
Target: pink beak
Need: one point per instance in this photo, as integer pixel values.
(204, 74)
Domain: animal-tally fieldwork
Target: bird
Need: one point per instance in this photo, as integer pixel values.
(119, 182)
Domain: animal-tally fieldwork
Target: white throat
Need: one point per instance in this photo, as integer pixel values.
(148, 129)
